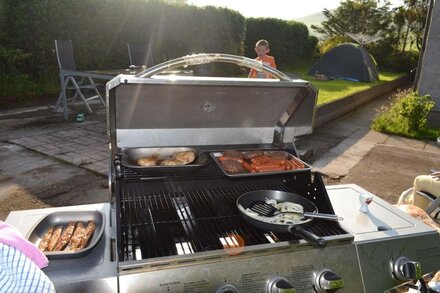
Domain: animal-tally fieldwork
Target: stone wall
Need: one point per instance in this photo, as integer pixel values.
(335, 109)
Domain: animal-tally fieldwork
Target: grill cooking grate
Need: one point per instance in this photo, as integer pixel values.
(201, 217)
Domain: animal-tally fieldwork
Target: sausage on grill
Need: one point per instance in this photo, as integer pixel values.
(90, 229)
(75, 241)
(82, 235)
(65, 237)
(45, 241)
(54, 238)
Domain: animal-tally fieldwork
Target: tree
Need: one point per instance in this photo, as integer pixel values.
(366, 17)
(416, 18)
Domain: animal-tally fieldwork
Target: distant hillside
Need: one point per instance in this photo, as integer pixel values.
(315, 19)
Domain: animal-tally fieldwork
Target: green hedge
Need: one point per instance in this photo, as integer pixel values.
(101, 29)
(289, 41)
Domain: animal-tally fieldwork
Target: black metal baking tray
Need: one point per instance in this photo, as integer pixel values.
(131, 155)
(215, 155)
(61, 219)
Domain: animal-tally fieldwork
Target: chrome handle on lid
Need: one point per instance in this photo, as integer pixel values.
(198, 59)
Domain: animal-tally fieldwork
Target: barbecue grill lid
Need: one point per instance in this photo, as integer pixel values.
(169, 110)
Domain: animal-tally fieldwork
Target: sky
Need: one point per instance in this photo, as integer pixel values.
(284, 9)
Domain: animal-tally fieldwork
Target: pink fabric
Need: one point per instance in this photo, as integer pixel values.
(12, 237)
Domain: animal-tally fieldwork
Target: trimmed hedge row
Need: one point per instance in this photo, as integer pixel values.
(101, 29)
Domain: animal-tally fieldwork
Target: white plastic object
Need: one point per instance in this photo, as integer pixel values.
(365, 200)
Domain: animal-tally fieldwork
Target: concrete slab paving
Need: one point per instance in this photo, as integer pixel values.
(30, 180)
(432, 147)
(370, 136)
(402, 142)
(84, 145)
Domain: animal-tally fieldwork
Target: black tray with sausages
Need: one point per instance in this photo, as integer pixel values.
(258, 163)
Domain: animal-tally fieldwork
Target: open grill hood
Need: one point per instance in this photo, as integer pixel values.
(166, 110)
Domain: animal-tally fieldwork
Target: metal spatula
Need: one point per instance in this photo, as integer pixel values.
(266, 210)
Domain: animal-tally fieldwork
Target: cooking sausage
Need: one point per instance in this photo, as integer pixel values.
(82, 235)
(54, 238)
(45, 241)
(248, 167)
(75, 241)
(270, 162)
(289, 165)
(271, 168)
(277, 162)
(298, 164)
(65, 237)
(90, 229)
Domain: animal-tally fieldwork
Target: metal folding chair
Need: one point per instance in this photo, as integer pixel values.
(140, 55)
(71, 79)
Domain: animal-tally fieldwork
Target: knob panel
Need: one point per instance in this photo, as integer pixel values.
(279, 284)
(405, 270)
(227, 288)
(327, 281)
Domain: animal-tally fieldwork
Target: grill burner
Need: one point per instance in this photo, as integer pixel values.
(176, 213)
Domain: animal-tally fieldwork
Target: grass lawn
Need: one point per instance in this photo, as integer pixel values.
(331, 90)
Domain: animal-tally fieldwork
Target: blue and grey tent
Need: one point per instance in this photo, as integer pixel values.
(347, 61)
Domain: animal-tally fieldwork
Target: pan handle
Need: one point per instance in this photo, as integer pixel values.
(308, 236)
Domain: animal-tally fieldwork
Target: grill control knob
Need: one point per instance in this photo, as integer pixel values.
(405, 269)
(227, 288)
(327, 281)
(279, 284)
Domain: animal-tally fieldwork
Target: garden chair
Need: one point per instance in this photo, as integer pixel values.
(72, 79)
(140, 55)
(431, 204)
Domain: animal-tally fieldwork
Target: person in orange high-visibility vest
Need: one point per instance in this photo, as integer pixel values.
(262, 49)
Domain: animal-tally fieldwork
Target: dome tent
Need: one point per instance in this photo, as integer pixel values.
(347, 61)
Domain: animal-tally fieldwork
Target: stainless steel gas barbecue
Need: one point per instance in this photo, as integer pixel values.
(178, 229)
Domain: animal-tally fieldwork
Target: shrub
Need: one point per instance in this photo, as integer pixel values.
(12, 59)
(390, 58)
(407, 116)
